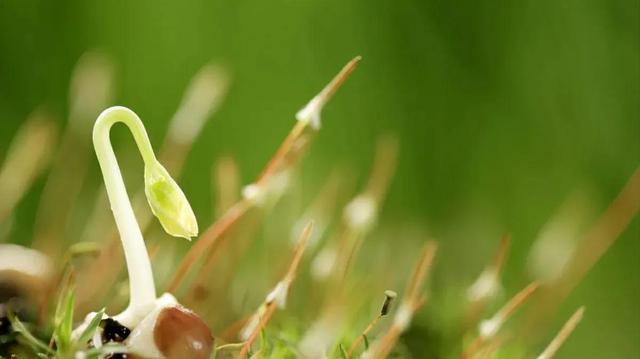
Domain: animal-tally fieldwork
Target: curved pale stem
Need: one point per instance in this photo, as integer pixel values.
(141, 284)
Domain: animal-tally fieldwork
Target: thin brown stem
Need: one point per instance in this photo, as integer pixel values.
(26, 158)
(386, 306)
(384, 166)
(364, 334)
(281, 153)
(517, 301)
(264, 319)
(361, 212)
(324, 96)
(475, 345)
(412, 293)
(279, 293)
(387, 343)
(289, 148)
(501, 254)
(562, 335)
(225, 184)
(490, 348)
(413, 300)
(605, 231)
(333, 86)
(594, 245)
(486, 285)
(299, 251)
(490, 327)
(209, 238)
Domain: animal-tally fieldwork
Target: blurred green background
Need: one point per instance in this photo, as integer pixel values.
(502, 108)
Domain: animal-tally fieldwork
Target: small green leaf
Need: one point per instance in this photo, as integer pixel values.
(168, 203)
(66, 284)
(83, 249)
(19, 327)
(64, 321)
(343, 352)
(263, 338)
(96, 353)
(88, 332)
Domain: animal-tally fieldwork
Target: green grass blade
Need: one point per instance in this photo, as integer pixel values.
(343, 352)
(96, 353)
(64, 322)
(88, 332)
(34, 342)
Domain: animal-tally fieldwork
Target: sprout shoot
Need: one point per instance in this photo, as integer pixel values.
(165, 198)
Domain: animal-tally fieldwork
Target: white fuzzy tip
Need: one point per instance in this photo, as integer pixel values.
(311, 113)
(403, 317)
(361, 212)
(489, 328)
(317, 341)
(486, 286)
(250, 327)
(275, 186)
(323, 264)
(279, 294)
(252, 192)
(201, 99)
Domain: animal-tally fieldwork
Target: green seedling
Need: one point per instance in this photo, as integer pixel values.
(167, 201)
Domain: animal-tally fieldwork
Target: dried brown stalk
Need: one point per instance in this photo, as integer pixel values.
(90, 92)
(277, 297)
(225, 184)
(594, 245)
(562, 335)
(359, 215)
(386, 306)
(487, 284)
(412, 301)
(489, 328)
(210, 240)
(604, 233)
(27, 156)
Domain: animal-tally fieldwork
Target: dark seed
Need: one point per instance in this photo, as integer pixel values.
(5, 325)
(117, 356)
(112, 331)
